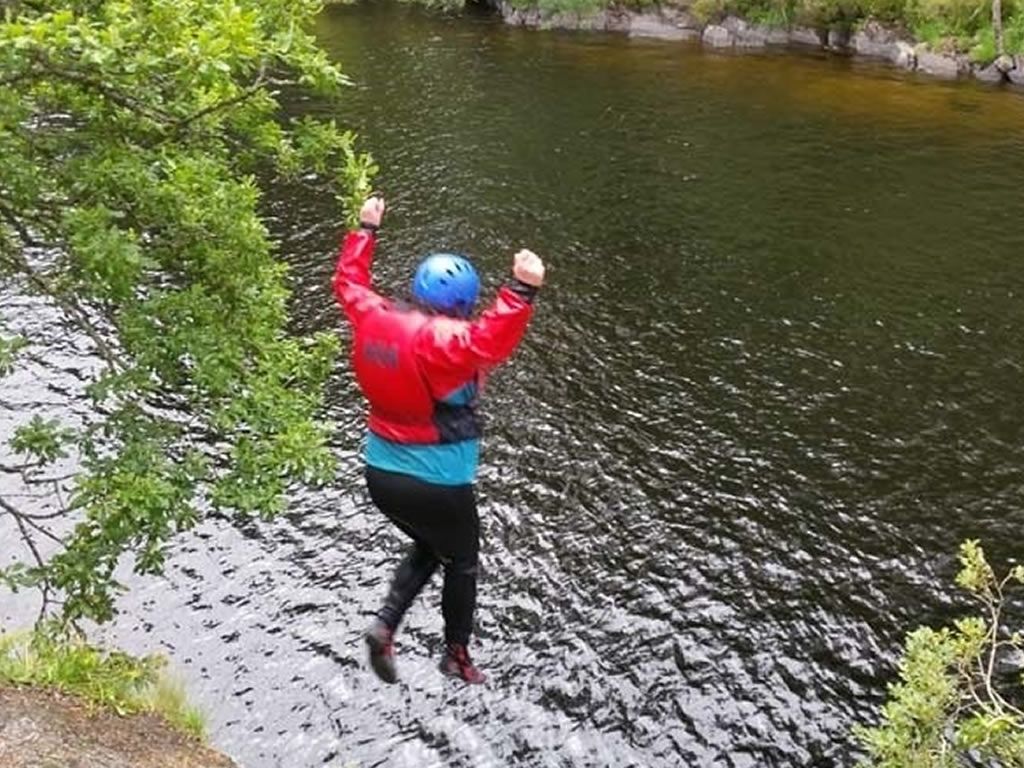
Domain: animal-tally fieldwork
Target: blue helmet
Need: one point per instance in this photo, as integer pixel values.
(447, 283)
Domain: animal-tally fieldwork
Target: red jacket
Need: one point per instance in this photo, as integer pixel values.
(408, 361)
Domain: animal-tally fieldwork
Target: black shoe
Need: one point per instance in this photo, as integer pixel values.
(380, 639)
(456, 663)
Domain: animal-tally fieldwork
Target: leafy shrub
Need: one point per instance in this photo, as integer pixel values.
(886, 11)
(1013, 31)
(949, 708)
(956, 18)
(709, 10)
(965, 25)
(984, 48)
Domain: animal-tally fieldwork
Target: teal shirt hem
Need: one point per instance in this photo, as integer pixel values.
(438, 463)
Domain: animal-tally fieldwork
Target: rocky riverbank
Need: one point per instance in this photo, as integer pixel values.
(871, 40)
(41, 728)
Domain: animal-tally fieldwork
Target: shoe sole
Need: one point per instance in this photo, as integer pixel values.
(379, 662)
(457, 676)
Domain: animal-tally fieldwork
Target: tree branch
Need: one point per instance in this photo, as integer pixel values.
(245, 95)
(182, 124)
(994, 606)
(27, 238)
(44, 585)
(22, 470)
(18, 469)
(110, 94)
(31, 521)
(70, 308)
(17, 515)
(46, 516)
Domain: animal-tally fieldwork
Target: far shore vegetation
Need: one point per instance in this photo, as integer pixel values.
(981, 29)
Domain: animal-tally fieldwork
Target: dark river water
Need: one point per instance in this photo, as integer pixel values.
(773, 382)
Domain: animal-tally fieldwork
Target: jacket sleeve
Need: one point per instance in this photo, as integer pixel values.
(451, 351)
(352, 276)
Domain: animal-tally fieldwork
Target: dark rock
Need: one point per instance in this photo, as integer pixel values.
(598, 22)
(839, 38)
(653, 25)
(776, 36)
(989, 74)
(1016, 75)
(938, 64)
(904, 55)
(805, 36)
(876, 41)
(559, 21)
(753, 37)
(748, 35)
(735, 24)
(617, 21)
(863, 46)
(518, 16)
(531, 18)
(879, 33)
(717, 36)
(682, 18)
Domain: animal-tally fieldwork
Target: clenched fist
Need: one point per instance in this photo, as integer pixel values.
(528, 268)
(372, 211)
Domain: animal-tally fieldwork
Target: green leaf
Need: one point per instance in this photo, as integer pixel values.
(20, 576)
(975, 573)
(43, 440)
(9, 349)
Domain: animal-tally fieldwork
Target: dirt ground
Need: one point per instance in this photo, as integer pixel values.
(45, 729)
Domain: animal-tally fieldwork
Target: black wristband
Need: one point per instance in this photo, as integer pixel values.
(527, 291)
(369, 227)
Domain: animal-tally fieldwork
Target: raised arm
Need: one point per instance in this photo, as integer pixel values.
(352, 281)
(452, 350)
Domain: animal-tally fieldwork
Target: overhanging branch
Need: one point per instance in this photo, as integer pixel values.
(245, 95)
(71, 308)
(26, 536)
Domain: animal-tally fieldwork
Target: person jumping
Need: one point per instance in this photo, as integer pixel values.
(421, 366)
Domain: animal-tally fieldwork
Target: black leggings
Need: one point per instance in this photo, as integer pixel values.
(442, 522)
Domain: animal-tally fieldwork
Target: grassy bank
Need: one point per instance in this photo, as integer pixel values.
(948, 26)
(108, 679)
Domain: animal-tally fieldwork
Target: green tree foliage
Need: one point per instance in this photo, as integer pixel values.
(950, 702)
(135, 137)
